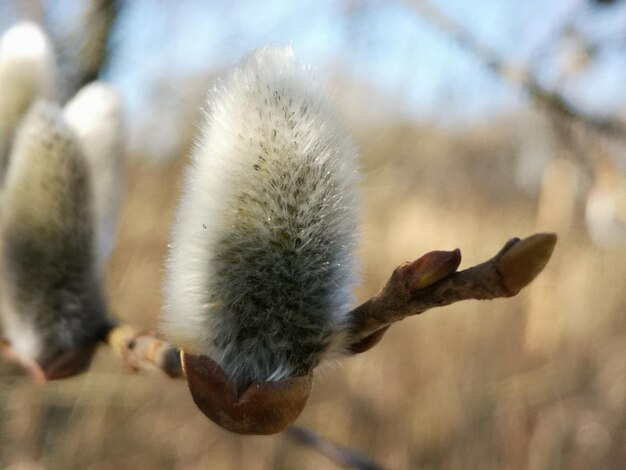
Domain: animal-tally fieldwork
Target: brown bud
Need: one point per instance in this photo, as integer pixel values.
(524, 260)
(263, 408)
(63, 366)
(430, 268)
(70, 363)
(368, 342)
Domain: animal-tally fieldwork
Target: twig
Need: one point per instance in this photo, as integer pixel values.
(432, 281)
(144, 351)
(548, 99)
(84, 52)
(339, 454)
(413, 288)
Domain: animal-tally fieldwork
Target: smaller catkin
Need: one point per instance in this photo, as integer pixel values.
(27, 72)
(50, 300)
(261, 265)
(95, 115)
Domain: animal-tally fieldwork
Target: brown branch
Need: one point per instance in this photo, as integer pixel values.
(341, 455)
(144, 351)
(413, 288)
(549, 100)
(432, 281)
(84, 51)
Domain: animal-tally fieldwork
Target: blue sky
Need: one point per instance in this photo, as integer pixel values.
(420, 71)
(383, 44)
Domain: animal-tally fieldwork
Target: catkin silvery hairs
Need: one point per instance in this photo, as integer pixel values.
(60, 179)
(52, 305)
(261, 263)
(27, 72)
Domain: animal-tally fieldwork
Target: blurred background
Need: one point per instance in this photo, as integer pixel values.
(477, 121)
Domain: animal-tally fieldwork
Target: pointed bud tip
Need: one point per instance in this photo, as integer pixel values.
(368, 342)
(430, 268)
(524, 260)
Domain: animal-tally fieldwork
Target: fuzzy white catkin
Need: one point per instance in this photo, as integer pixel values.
(50, 299)
(261, 265)
(95, 115)
(27, 72)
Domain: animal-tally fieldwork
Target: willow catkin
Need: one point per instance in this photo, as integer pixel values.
(51, 300)
(261, 263)
(95, 115)
(27, 72)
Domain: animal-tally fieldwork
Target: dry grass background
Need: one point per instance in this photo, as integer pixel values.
(538, 381)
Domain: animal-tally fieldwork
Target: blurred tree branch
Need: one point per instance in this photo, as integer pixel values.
(339, 454)
(552, 101)
(84, 51)
(94, 52)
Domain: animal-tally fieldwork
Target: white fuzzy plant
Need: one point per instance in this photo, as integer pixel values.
(51, 300)
(61, 197)
(95, 114)
(261, 264)
(27, 72)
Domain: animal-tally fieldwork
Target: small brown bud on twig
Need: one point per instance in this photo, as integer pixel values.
(432, 281)
(524, 260)
(430, 268)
